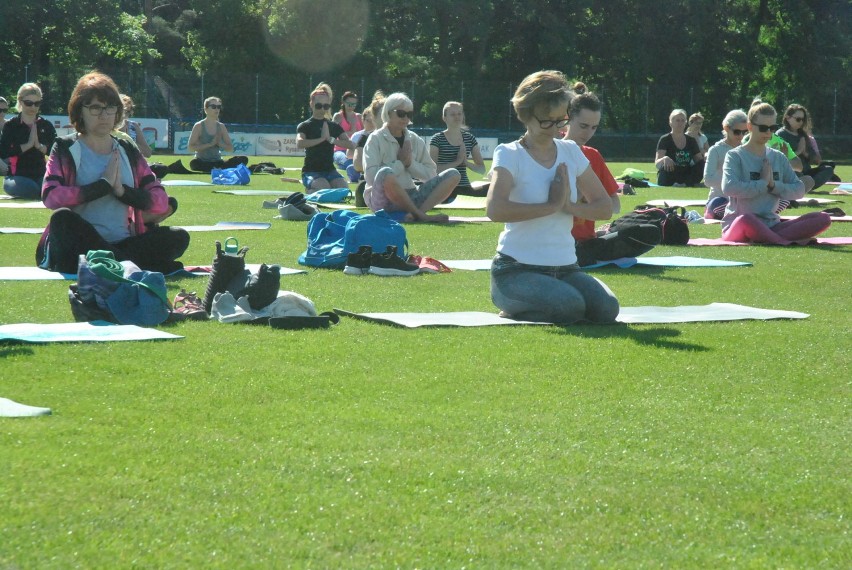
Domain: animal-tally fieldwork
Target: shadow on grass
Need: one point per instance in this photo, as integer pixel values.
(651, 271)
(659, 337)
(14, 348)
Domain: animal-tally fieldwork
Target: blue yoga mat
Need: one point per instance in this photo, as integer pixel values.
(97, 331)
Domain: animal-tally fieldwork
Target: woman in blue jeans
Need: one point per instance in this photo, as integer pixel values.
(25, 141)
(538, 185)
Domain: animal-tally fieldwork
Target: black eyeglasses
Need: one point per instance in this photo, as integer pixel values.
(31, 103)
(214, 106)
(322, 106)
(98, 110)
(738, 132)
(549, 124)
(765, 128)
(403, 114)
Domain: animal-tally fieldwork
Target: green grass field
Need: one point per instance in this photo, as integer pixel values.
(708, 445)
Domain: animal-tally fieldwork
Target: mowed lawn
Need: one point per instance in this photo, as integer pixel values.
(705, 445)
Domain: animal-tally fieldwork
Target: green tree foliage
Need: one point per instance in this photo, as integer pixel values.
(643, 57)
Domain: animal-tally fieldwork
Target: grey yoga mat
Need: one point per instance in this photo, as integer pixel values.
(633, 315)
(625, 262)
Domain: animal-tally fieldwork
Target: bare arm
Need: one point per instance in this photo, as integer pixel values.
(596, 203)
(501, 209)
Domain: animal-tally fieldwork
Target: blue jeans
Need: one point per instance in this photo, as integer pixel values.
(555, 294)
(22, 187)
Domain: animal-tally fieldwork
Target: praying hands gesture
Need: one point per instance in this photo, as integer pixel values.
(112, 174)
(559, 190)
(324, 134)
(766, 174)
(33, 141)
(404, 154)
(462, 155)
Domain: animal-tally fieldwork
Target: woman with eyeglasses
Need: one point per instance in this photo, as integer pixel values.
(678, 161)
(102, 191)
(319, 135)
(209, 137)
(394, 158)
(352, 122)
(755, 178)
(24, 143)
(796, 131)
(734, 128)
(539, 184)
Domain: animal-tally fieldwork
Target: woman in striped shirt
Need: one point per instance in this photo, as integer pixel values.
(456, 147)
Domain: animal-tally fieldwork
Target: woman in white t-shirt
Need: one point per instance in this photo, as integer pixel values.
(538, 185)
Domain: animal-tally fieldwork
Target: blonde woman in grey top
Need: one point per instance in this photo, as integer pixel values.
(209, 138)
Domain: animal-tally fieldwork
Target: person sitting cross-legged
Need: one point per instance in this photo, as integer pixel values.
(394, 157)
(318, 136)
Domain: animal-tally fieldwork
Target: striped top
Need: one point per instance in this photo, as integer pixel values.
(448, 153)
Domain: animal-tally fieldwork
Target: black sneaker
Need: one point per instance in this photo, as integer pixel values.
(262, 287)
(226, 266)
(389, 263)
(358, 263)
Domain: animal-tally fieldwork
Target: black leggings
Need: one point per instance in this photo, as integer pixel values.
(199, 165)
(688, 175)
(71, 236)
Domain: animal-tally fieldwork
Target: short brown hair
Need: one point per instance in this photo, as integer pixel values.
(541, 88)
(94, 85)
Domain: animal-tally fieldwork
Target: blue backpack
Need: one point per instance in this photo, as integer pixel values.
(329, 196)
(239, 175)
(331, 237)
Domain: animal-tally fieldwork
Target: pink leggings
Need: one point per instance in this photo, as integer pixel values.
(750, 228)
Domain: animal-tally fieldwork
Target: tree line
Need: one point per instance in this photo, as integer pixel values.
(643, 57)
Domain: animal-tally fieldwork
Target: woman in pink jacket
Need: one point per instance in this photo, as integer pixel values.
(103, 192)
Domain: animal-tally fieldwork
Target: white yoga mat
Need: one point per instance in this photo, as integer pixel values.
(98, 331)
(227, 226)
(632, 315)
(624, 262)
(464, 203)
(32, 274)
(11, 409)
(279, 193)
(38, 231)
(185, 183)
(22, 204)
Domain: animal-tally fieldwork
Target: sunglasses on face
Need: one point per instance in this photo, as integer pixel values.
(797, 119)
(214, 106)
(765, 128)
(403, 114)
(322, 106)
(739, 133)
(352, 103)
(31, 103)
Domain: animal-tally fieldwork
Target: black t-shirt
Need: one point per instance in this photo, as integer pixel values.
(681, 156)
(319, 158)
(362, 141)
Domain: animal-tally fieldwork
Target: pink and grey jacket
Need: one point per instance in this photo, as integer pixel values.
(59, 189)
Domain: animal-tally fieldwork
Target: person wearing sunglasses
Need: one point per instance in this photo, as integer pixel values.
(25, 141)
(102, 191)
(734, 128)
(352, 122)
(394, 157)
(796, 131)
(679, 161)
(209, 137)
(584, 118)
(756, 178)
(539, 184)
(318, 136)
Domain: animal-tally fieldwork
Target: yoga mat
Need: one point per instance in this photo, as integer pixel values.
(833, 218)
(819, 241)
(678, 203)
(817, 201)
(32, 274)
(632, 315)
(279, 193)
(21, 204)
(97, 331)
(185, 183)
(21, 231)
(228, 226)
(12, 409)
(464, 203)
(624, 262)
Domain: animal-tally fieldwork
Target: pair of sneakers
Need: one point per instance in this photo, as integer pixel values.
(365, 260)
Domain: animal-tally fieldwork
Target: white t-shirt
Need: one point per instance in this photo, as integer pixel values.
(546, 240)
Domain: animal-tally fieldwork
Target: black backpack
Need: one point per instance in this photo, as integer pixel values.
(671, 221)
